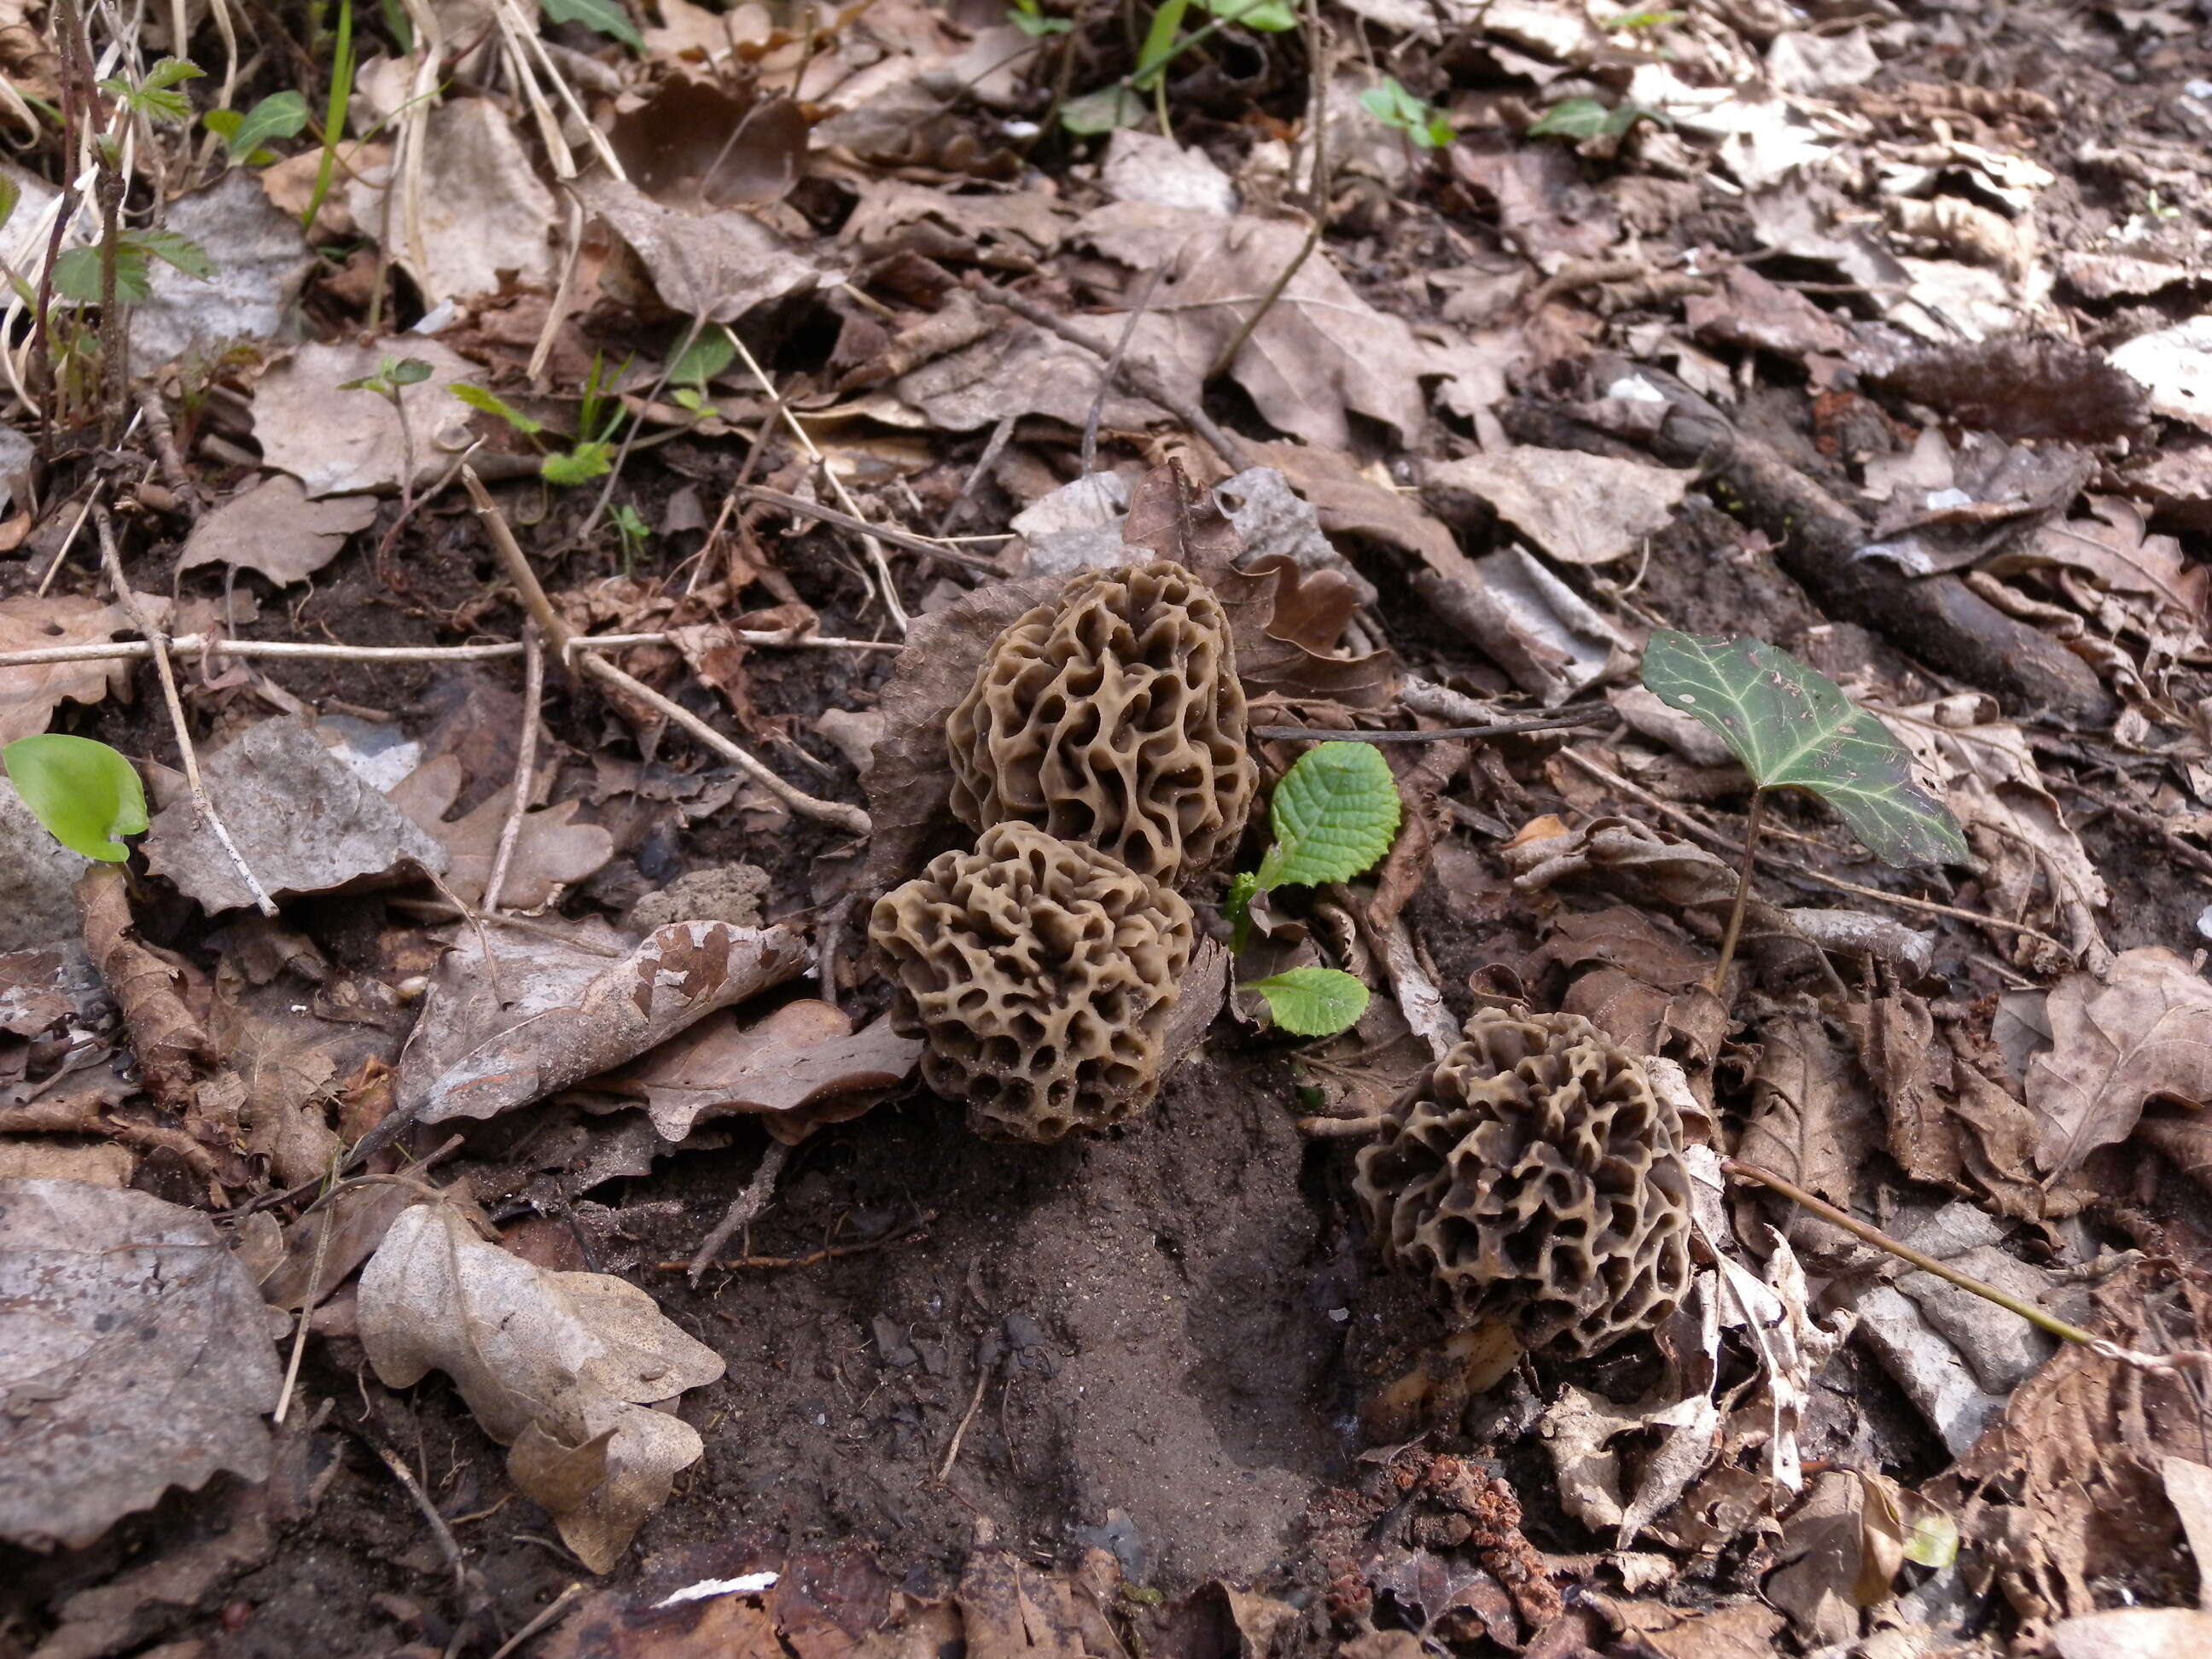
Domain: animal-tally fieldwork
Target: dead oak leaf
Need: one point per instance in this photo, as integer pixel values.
(551, 851)
(1578, 508)
(133, 1356)
(2140, 1033)
(29, 694)
(275, 528)
(561, 1367)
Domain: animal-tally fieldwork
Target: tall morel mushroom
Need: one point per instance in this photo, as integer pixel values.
(1536, 1176)
(1042, 973)
(1113, 716)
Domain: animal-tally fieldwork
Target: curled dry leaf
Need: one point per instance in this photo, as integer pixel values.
(2142, 1033)
(166, 1035)
(302, 819)
(134, 1355)
(800, 1066)
(571, 1011)
(562, 1368)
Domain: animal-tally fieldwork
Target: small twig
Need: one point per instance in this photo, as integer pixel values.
(2193, 1359)
(974, 1404)
(215, 645)
(743, 1208)
(919, 1232)
(525, 765)
(448, 1546)
(1565, 720)
(546, 1615)
(1114, 367)
(869, 542)
(307, 1307)
(1342, 1128)
(1138, 379)
(156, 647)
(927, 549)
(61, 554)
(851, 818)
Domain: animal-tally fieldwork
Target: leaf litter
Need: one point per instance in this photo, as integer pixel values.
(1613, 331)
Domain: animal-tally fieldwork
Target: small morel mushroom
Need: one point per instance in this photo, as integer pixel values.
(1535, 1174)
(1113, 716)
(1041, 972)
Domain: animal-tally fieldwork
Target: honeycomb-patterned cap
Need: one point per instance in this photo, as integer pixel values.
(1536, 1177)
(1112, 716)
(1042, 973)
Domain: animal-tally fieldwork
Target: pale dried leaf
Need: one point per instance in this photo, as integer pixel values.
(303, 821)
(1580, 509)
(260, 260)
(551, 851)
(275, 528)
(135, 1355)
(29, 696)
(2141, 1034)
(2134, 1633)
(339, 442)
(560, 1366)
(483, 210)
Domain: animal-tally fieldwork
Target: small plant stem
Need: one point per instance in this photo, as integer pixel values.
(526, 764)
(157, 647)
(1743, 875)
(215, 645)
(1090, 451)
(114, 364)
(1881, 1241)
(314, 1296)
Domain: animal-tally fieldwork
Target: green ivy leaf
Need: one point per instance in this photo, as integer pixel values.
(604, 15)
(476, 396)
(1793, 727)
(280, 115)
(1334, 813)
(85, 793)
(1311, 1001)
(581, 465)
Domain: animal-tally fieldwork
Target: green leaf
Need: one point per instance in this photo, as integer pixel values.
(1269, 16)
(409, 371)
(1334, 813)
(78, 274)
(1035, 24)
(1641, 20)
(169, 71)
(85, 793)
(1794, 728)
(1236, 906)
(1932, 1539)
(171, 248)
(280, 115)
(1102, 111)
(581, 465)
(1311, 1001)
(1159, 39)
(709, 353)
(605, 15)
(1576, 118)
(476, 396)
(11, 194)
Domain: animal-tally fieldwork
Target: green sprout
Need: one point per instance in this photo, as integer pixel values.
(87, 796)
(1424, 125)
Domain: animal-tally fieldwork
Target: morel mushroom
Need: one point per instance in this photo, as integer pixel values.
(1112, 716)
(1535, 1174)
(1042, 973)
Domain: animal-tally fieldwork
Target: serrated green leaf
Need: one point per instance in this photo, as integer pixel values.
(174, 249)
(1312, 1001)
(84, 792)
(78, 274)
(476, 396)
(581, 465)
(604, 15)
(1793, 727)
(1334, 813)
(280, 115)
(171, 70)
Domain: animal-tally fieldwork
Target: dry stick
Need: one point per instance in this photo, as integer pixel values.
(850, 818)
(526, 764)
(927, 549)
(976, 1404)
(215, 645)
(157, 649)
(1114, 367)
(1140, 379)
(307, 1307)
(743, 1208)
(827, 1253)
(1605, 774)
(447, 1545)
(1559, 722)
(877, 564)
(2196, 1358)
(551, 1611)
(69, 540)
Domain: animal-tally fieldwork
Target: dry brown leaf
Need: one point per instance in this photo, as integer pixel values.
(339, 442)
(135, 1348)
(569, 1012)
(715, 267)
(1813, 1122)
(1580, 509)
(301, 819)
(166, 1035)
(484, 211)
(1321, 352)
(1349, 503)
(29, 696)
(2134, 1633)
(1627, 939)
(562, 1368)
(2117, 1045)
(551, 851)
(804, 1054)
(275, 528)
(697, 146)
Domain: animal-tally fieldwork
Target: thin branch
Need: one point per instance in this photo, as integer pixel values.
(525, 765)
(1564, 720)
(915, 1235)
(927, 549)
(1138, 377)
(157, 649)
(1114, 367)
(743, 1209)
(216, 644)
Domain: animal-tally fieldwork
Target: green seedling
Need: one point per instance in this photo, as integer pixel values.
(280, 115)
(699, 358)
(1793, 729)
(604, 16)
(633, 529)
(1121, 105)
(334, 116)
(1638, 21)
(596, 418)
(1029, 18)
(1579, 118)
(1424, 125)
(392, 374)
(155, 97)
(80, 271)
(1334, 814)
(87, 795)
